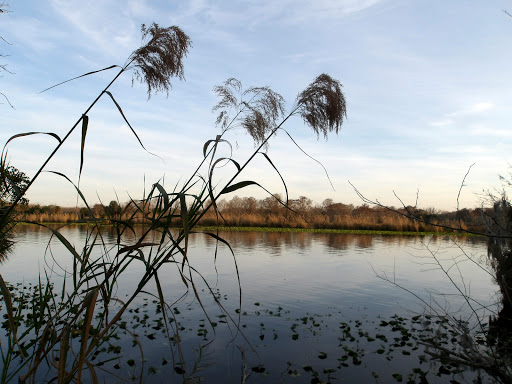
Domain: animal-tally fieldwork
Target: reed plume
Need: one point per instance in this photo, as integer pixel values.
(322, 105)
(257, 108)
(160, 58)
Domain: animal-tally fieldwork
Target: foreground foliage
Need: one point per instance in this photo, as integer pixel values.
(394, 346)
(76, 313)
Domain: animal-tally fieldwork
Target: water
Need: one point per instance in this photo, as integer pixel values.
(313, 306)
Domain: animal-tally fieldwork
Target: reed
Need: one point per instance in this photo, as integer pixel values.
(72, 321)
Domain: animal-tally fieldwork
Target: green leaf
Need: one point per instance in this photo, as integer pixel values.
(63, 354)
(85, 74)
(258, 369)
(179, 370)
(128, 123)
(8, 303)
(217, 140)
(85, 123)
(54, 135)
(164, 195)
(185, 222)
(279, 173)
(241, 184)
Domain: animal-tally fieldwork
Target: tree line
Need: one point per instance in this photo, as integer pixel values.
(273, 211)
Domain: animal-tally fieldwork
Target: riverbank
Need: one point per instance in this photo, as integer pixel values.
(340, 231)
(329, 217)
(287, 230)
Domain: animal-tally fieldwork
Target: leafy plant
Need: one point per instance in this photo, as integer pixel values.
(13, 183)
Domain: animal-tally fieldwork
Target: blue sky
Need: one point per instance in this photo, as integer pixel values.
(427, 87)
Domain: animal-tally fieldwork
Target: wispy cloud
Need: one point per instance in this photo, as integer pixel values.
(473, 109)
(442, 123)
(465, 149)
(488, 131)
(480, 107)
(255, 13)
(96, 26)
(452, 117)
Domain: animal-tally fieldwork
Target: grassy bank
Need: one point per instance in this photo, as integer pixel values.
(269, 213)
(326, 230)
(296, 230)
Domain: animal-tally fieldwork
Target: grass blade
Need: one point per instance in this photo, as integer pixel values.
(17, 136)
(217, 140)
(8, 303)
(279, 173)
(311, 157)
(85, 123)
(74, 78)
(241, 184)
(63, 355)
(129, 125)
(89, 304)
(94, 377)
(164, 195)
(185, 223)
(62, 239)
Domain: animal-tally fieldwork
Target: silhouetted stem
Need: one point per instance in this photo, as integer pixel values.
(20, 196)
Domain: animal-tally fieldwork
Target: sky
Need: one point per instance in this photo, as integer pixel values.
(427, 85)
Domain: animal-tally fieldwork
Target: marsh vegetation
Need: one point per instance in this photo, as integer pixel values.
(108, 289)
(268, 212)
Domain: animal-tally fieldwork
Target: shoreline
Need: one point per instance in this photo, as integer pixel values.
(296, 230)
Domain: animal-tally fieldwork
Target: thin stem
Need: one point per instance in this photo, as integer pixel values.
(20, 196)
(263, 143)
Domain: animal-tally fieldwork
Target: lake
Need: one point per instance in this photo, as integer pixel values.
(313, 307)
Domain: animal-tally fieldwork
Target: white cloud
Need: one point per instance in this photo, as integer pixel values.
(442, 123)
(452, 118)
(487, 131)
(98, 25)
(259, 12)
(473, 109)
(480, 107)
(465, 149)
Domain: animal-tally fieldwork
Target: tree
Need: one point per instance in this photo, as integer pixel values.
(271, 203)
(13, 183)
(113, 209)
(326, 203)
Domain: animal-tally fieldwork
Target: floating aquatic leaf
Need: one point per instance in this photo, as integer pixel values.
(258, 369)
(152, 370)
(179, 370)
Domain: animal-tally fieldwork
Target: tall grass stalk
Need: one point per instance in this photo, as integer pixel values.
(74, 320)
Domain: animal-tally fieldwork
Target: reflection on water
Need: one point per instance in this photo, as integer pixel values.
(298, 268)
(300, 292)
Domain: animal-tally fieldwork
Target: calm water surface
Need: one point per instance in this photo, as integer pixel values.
(300, 292)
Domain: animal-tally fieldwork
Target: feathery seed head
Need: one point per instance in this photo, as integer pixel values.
(257, 109)
(160, 58)
(322, 105)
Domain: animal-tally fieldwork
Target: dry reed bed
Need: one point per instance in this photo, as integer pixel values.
(281, 219)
